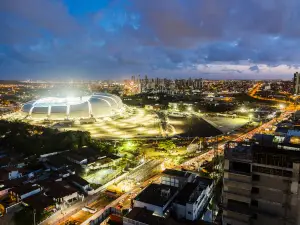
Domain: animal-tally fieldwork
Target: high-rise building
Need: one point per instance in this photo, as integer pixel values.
(297, 83)
(261, 183)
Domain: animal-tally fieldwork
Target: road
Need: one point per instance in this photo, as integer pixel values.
(124, 200)
(290, 106)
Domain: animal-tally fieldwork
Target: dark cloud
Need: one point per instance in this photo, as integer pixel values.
(156, 37)
(24, 20)
(254, 68)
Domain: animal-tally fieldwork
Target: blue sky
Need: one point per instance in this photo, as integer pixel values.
(101, 39)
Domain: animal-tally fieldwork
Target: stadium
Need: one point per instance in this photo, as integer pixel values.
(98, 105)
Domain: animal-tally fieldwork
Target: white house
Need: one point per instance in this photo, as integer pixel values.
(156, 198)
(193, 199)
(24, 191)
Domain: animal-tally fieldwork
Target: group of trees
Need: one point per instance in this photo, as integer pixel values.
(26, 216)
(29, 139)
(166, 145)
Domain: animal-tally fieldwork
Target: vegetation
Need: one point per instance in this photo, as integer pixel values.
(28, 139)
(166, 145)
(25, 216)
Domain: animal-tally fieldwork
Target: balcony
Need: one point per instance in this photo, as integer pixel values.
(237, 212)
(238, 176)
(237, 183)
(229, 219)
(240, 196)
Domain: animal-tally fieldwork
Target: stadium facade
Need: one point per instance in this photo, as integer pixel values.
(97, 105)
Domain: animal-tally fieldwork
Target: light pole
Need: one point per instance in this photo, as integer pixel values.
(250, 117)
(34, 212)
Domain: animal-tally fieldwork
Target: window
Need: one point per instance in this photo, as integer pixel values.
(277, 172)
(240, 167)
(254, 203)
(189, 213)
(255, 177)
(254, 190)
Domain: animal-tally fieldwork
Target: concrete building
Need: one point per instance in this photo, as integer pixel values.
(140, 216)
(24, 191)
(181, 193)
(156, 198)
(61, 192)
(193, 199)
(261, 183)
(176, 178)
(296, 83)
(10, 173)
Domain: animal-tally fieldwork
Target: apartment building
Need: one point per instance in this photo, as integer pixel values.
(261, 183)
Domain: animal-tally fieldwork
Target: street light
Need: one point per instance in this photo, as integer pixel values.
(242, 109)
(250, 116)
(87, 170)
(190, 108)
(281, 106)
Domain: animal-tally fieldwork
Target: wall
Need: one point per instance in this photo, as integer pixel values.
(67, 198)
(14, 175)
(4, 192)
(30, 193)
(180, 211)
(158, 210)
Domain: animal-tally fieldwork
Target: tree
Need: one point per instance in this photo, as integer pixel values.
(167, 145)
(181, 107)
(25, 216)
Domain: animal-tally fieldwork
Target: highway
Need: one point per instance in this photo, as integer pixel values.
(290, 106)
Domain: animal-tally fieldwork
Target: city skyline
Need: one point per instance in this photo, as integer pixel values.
(44, 39)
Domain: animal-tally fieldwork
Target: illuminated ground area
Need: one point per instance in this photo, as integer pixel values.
(139, 124)
(226, 124)
(133, 123)
(101, 176)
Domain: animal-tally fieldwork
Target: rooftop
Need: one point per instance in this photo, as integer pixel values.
(282, 129)
(184, 195)
(257, 151)
(146, 216)
(75, 156)
(175, 173)
(39, 201)
(204, 182)
(60, 189)
(26, 188)
(153, 194)
(58, 161)
(78, 180)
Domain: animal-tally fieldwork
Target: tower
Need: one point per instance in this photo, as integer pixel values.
(296, 83)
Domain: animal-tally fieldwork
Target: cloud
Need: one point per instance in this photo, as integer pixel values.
(188, 38)
(254, 68)
(23, 20)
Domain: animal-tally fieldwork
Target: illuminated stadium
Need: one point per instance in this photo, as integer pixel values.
(97, 105)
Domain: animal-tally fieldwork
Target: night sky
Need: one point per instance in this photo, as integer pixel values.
(101, 39)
